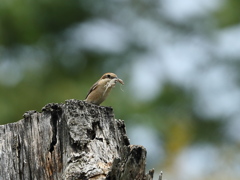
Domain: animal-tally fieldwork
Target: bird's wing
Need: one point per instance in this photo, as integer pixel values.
(92, 88)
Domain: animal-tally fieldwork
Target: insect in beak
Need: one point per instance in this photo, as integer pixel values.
(119, 80)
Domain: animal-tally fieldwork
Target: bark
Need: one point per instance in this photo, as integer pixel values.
(73, 140)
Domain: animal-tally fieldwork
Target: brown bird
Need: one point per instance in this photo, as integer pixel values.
(100, 90)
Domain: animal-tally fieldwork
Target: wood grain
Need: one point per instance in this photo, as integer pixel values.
(73, 140)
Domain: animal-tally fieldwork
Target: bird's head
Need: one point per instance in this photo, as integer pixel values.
(107, 77)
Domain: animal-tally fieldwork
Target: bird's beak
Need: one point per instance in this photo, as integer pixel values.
(119, 80)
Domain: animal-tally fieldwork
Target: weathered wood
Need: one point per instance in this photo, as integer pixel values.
(73, 140)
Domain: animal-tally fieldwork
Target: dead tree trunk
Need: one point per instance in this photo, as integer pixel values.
(74, 140)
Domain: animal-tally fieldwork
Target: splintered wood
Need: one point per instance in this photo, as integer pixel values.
(71, 141)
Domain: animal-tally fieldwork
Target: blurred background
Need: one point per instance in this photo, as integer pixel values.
(180, 61)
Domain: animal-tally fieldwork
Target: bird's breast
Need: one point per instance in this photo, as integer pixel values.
(98, 95)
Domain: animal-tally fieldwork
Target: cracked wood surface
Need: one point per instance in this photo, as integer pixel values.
(73, 140)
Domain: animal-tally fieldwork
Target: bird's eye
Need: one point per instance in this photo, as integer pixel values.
(108, 76)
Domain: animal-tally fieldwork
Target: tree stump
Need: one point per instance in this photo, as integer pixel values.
(73, 140)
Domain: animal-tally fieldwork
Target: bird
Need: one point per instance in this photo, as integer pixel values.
(101, 89)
